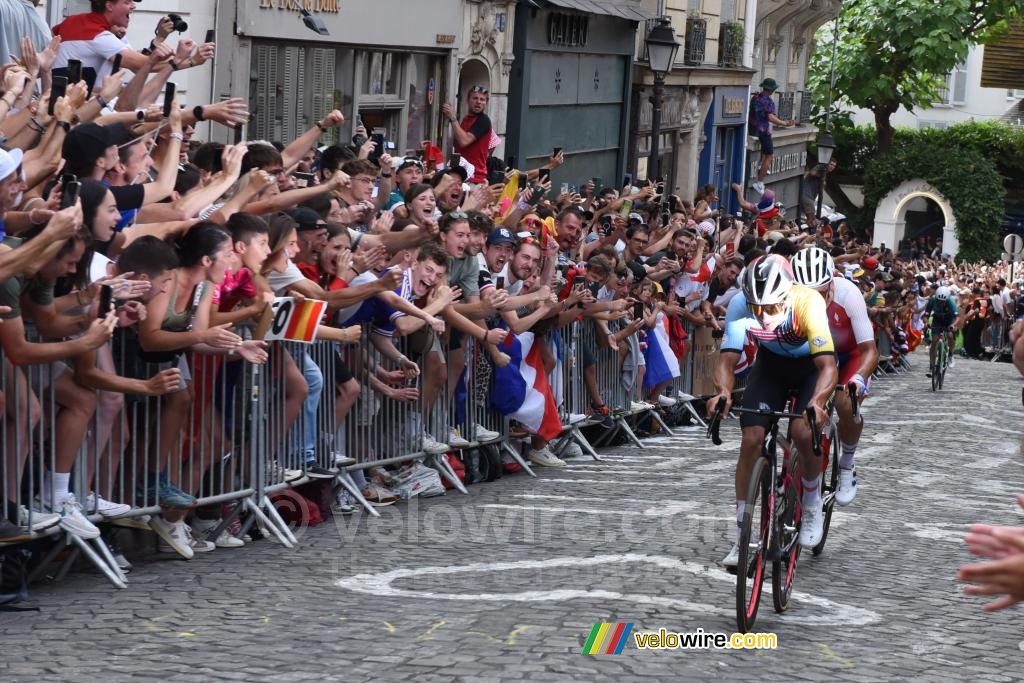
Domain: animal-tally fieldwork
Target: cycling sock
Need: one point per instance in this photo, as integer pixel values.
(846, 459)
(812, 494)
(741, 506)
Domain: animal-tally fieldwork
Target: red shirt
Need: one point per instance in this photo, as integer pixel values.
(477, 151)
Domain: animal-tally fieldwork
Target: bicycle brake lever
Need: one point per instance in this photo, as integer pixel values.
(851, 389)
(714, 424)
(812, 421)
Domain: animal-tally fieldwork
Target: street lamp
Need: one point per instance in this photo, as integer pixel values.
(826, 146)
(661, 56)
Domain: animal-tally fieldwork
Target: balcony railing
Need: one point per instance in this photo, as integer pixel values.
(785, 106)
(730, 43)
(696, 39)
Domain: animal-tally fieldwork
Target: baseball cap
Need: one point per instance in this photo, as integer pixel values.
(409, 161)
(85, 144)
(10, 160)
(500, 236)
(306, 218)
(870, 263)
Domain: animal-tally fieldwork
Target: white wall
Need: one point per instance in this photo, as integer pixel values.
(983, 104)
(194, 85)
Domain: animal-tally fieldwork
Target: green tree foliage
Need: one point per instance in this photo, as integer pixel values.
(896, 53)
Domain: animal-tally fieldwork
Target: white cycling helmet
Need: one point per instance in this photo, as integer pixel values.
(767, 280)
(812, 267)
(942, 293)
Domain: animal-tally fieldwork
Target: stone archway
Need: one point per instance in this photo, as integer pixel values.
(890, 216)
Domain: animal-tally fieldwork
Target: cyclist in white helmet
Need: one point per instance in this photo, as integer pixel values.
(856, 352)
(795, 354)
(942, 308)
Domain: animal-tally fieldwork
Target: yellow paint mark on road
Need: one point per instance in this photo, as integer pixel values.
(488, 636)
(827, 651)
(187, 634)
(429, 633)
(391, 627)
(264, 620)
(514, 633)
(509, 640)
(153, 628)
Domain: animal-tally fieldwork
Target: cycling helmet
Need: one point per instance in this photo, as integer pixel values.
(812, 267)
(767, 280)
(942, 293)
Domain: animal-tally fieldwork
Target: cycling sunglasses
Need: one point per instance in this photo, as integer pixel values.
(766, 309)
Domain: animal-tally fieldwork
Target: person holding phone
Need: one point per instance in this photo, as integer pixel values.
(473, 134)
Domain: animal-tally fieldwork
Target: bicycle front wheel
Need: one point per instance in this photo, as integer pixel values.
(754, 539)
(940, 364)
(829, 486)
(788, 530)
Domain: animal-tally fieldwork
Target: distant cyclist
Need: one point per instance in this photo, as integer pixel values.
(942, 308)
(856, 352)
(795, 355)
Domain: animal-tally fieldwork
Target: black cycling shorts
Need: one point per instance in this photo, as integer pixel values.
(771, 381)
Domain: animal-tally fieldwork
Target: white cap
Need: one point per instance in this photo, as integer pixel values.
(10, 160)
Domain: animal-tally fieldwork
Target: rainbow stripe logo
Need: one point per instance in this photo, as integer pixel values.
(607, 639)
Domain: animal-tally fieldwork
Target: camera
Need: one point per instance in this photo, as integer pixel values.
(180, 25)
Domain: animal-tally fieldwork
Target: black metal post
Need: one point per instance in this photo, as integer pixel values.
(821, 191)
(654, 163)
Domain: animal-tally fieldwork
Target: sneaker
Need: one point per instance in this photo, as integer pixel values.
(758, 187)
(73, 521)
(951, 361)
(40, 520)
(314, 471)
(732, 560)
(12, 533)
(684, 397)
(119, 559)
(378, 496)
(638, 406)
(198, 545)
(576, 418)
(847, 486)
(433, 446)
(172, 537)
(455, 439)
(169, 495)
(812, 526)
(341, 460)
(545, 458)
(343, 502)
(666, 401)
(201, 528)
(602, 415)
(484, 435)
(97, 504)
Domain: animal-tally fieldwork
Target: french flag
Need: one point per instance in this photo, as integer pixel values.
(521, 389)
(662, 364)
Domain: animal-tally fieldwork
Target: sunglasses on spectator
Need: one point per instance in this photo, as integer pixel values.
(478, 88)
(458, 215)
(410, 161)
(766, 309)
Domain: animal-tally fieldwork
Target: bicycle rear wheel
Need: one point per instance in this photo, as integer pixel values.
(754, 539)
(788, 530)
(829, 484)
(940, 363)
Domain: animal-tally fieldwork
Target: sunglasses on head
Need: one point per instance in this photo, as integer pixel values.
(479, 88)
(766, 309)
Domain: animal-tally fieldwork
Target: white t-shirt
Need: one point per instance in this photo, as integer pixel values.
(280, 282)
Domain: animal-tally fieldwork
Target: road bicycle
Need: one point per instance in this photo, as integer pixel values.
(771, 518)
(938, 369)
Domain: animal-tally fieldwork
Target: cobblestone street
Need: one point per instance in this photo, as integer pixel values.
(507, 582)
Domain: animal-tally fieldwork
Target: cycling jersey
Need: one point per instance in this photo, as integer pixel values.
(805, 331)
(848, 317)
(943, 313)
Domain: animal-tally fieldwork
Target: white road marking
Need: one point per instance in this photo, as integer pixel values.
(824, 611)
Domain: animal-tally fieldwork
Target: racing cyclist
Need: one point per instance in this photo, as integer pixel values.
(856, 353)
(795, 354)
(942, 308)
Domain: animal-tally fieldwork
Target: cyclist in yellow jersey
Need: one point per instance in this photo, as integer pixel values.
(788, 326)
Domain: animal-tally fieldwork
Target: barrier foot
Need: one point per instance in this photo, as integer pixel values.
(275, 517)
(664, 427)
(515, 455)
(584, 444)
(101, 564)
(345, 479)
(66, 565)
(257, 513)
(696, 415)
(445, 468)
(109, 559)
(624, 426)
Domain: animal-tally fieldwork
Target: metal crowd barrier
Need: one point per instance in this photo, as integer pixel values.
(235, 434)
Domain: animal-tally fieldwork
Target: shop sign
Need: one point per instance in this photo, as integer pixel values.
(332, 6)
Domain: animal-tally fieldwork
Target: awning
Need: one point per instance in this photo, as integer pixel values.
(624, 9)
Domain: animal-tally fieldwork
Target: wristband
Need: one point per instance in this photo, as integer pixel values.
(177, 136)
(65, 125)
(103, 102)
(174, 65)
(197, 111)
(321, 127)
(140, 114)
(385, 175)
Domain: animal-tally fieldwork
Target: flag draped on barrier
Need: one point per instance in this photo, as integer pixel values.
(521, 389)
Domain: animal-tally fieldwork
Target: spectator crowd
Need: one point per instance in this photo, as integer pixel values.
(140, 265)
